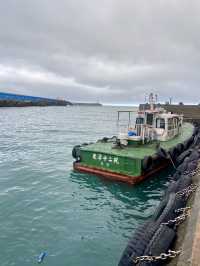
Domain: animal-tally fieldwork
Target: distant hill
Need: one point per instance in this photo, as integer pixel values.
(18, 100)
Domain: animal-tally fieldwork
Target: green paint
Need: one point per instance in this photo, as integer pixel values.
(115, 163)
(128, 160)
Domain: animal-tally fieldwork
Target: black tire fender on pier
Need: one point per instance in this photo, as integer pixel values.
(194, 155)
(183, 182)
(182, 156)
(176, 176)
(138, 243)
(192, 166)
(172, 188)
(182, 168)
(188, 142)
(160, 208)
(196, 131)
(196, 141)
(175, 202)
(160, 243)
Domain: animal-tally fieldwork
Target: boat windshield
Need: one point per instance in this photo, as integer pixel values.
(139, 120)
(160, 123)
(149, 119)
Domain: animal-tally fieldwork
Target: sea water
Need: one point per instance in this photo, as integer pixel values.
(77, 219)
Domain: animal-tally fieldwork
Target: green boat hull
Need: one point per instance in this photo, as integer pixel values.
(102, 159)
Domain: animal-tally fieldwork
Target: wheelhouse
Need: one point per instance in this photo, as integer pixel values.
(153, 124)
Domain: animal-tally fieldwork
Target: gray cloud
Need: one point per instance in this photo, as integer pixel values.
(110, 50)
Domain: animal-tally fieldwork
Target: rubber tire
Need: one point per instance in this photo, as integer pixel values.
(182, 156)
(160, 208)
(173, 153)
(172, 188)
(192, 166)
(147, 163)
(183, 182)
(196, 141)
(191, 140)
(138, 243)
(175, 202)
(76, 151)
(156, 160)
(182, 168)
(180, 148)
(177, 176)
(187, 144)
(160, 243)
(196, 131)
(194, 156)
(162, 153)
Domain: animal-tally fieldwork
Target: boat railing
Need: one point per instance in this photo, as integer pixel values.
(123, 128)
(139, 129)
(145, 131)
(173, 132)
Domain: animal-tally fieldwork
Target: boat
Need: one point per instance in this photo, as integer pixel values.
(140, 149)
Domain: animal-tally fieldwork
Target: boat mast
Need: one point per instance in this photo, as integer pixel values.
(151, 101)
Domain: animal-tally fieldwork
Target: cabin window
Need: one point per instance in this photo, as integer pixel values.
(176, 122)
(139, 120)
(160, 123)
(170, 124)
(149, 119)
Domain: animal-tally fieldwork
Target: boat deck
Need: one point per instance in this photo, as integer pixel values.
(141, 151)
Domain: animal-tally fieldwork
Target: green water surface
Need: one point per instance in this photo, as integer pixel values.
(79, 220)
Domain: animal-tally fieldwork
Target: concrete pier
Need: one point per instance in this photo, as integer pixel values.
(191, 113)
(188, 240)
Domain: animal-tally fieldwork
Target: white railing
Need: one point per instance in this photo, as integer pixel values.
(144, 131)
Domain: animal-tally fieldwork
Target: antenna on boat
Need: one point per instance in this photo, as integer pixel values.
(151, 101)
(156, 98)
(145, 98)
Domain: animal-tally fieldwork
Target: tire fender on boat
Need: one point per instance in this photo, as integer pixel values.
(76, 152)
(162, 153)
(147, 163)
(180, 148)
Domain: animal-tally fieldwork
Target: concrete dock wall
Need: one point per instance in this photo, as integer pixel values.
(191, 113)
(188, 240)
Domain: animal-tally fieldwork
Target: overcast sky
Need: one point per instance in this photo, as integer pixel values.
(112, 51)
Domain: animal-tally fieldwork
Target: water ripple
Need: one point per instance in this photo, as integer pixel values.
(78, 219)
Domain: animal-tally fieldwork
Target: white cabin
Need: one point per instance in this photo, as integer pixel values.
(153, 124)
